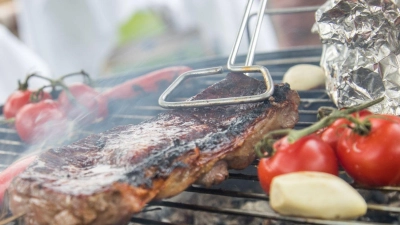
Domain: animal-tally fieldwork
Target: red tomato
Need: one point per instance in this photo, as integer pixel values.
(17, 100)
(333, 132)
(362, 113)
(37, 121)
(372, 159)
(392, 118)
(12, 171)
(89, 106)
(309, 153)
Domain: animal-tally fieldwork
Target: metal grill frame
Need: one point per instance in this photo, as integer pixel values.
(278, 63)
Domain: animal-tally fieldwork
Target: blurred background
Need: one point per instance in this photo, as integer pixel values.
(107, 38)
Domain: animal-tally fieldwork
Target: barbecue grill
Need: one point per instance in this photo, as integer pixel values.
(242, 187)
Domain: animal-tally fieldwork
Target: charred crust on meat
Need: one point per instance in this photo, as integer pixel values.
(136, 160)
(281, 92)
(221, 122)
(176, 142)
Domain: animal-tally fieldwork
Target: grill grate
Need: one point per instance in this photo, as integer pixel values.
(241, 185)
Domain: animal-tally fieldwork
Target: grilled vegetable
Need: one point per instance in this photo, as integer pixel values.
(23, 96)
(370, 152)
(333, 132)
(18, 99)
(303, 150)
(305, 77)
(309, 153)
(86, 104)
(315, 194)
(144, 84)
(37, 121)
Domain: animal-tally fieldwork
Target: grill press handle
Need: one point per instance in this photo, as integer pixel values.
(247, 68)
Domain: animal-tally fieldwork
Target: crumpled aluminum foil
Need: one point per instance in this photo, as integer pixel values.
(361, 52)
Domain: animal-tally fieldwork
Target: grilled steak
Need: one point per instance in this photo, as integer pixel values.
(106, 177)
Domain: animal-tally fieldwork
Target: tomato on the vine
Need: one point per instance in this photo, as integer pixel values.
(308, 153)
(333, 132)
(372, 158)
(37, 121)
(89, 105)
(18, 99)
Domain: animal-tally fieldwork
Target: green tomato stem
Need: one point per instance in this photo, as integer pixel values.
(67, 91)
(82, 72)
(265, 145)
(60, 82)
(24, 85)
(38, 95)
(295, 135)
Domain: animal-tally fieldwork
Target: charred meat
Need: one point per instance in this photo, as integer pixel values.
(106, 177)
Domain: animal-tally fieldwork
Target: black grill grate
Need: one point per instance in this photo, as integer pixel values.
(241, 185)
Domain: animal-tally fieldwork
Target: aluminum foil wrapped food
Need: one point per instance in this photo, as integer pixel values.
(361, 52)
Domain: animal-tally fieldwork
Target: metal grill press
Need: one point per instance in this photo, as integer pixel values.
(241, 184)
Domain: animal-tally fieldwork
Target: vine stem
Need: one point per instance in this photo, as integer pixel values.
(265, 145)
(60, 82)
(23, 86)
(295, 135)
(266, 141)
(67, 91)
(38, 95)
(82, 72)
